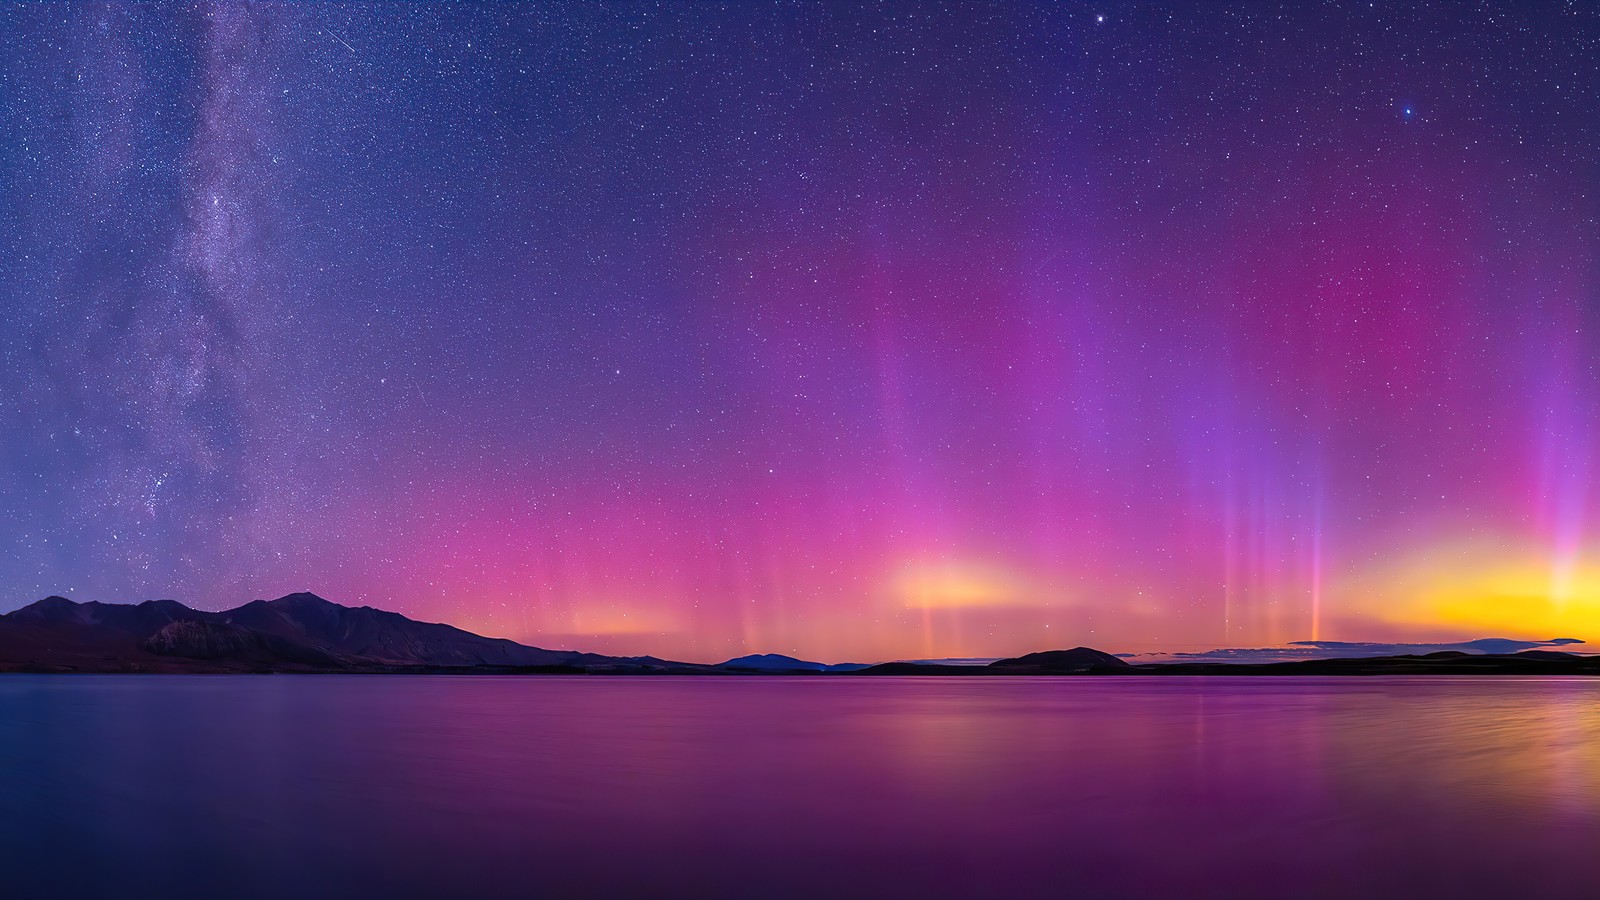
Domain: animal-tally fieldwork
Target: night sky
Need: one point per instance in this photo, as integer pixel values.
(854, 333)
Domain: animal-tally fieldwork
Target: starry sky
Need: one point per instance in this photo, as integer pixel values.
(851, 331)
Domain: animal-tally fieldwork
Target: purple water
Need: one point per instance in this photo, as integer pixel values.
(350, 786)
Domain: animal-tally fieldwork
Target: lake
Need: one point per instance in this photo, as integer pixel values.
(398, 786)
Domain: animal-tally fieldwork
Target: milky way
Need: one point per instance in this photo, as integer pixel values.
(912, 330)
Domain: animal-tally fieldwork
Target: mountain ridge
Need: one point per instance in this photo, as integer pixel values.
(296, 632)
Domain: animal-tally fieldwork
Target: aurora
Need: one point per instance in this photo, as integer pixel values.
(850, 334)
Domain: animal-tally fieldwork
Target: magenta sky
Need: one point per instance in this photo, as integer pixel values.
(851, 334)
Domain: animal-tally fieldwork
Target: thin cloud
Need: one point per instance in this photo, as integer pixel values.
(1352, 650)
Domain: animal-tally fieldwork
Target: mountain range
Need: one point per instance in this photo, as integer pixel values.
(305, 633)
(299, 632)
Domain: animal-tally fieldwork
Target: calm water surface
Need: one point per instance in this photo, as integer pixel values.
(349, 786)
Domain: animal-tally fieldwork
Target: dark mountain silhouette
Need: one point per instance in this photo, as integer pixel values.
(777, 662)
(1054, 662)
(1077, 661)
(924, 668)
(55, 632)
(387, 637)
(206, 640)
(300, 632)
(1547, 654)
(98, 618)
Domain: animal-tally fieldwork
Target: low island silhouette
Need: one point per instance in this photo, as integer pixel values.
(304, 633)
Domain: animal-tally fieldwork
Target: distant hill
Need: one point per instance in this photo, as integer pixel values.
(1077, 661)
(1055, 662)
(777, 662)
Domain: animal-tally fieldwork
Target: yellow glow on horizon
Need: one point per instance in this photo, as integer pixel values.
(1489, 588)
(947, 585)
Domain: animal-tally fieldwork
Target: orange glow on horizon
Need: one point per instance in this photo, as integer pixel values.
(947, 585)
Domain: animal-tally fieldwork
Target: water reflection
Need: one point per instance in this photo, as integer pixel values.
(401, 787)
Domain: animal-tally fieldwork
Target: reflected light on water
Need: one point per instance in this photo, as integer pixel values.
(400, 786)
